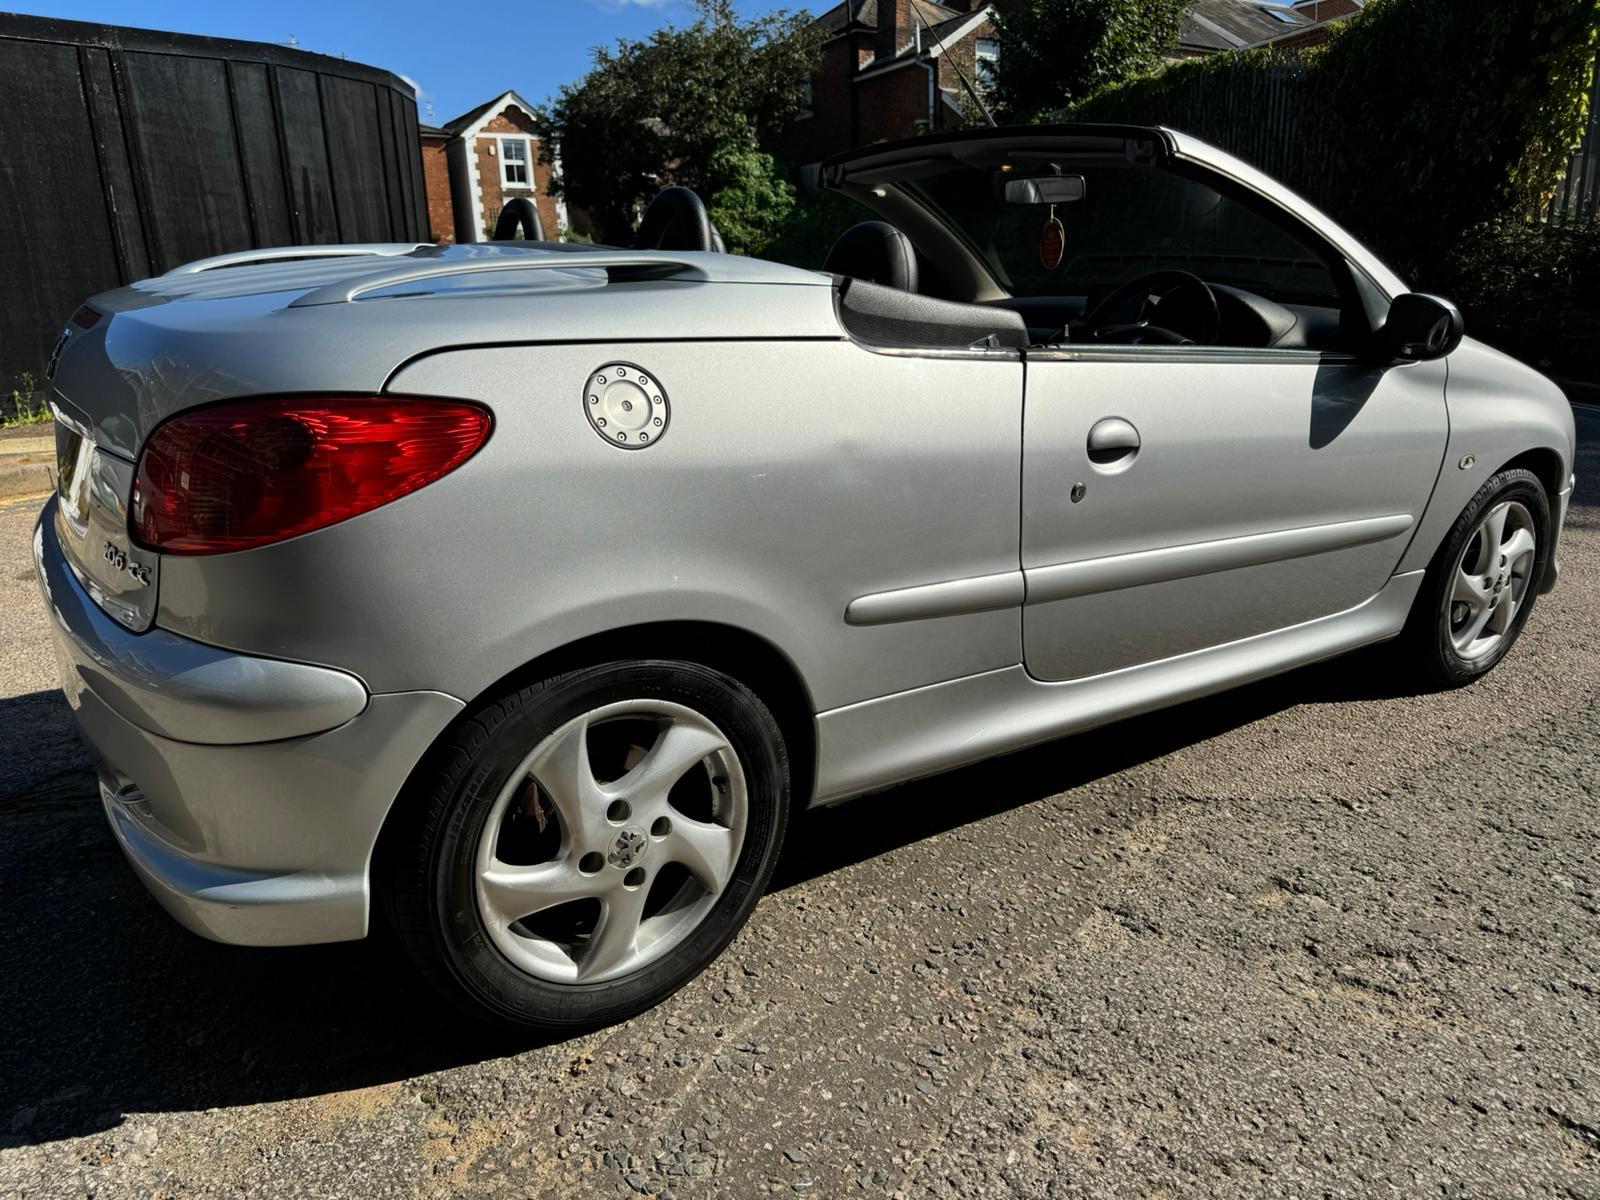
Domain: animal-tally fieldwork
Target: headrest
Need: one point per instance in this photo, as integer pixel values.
(877, 252)
(675, 220)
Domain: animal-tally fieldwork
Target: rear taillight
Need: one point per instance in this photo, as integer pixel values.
(248, 472)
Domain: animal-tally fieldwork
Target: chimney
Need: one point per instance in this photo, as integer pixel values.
(896, 22)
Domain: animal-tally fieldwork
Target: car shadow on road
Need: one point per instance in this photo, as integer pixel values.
(112, 1008)
(829, 839)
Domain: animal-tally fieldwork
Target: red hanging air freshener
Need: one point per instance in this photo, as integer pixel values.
(1052, 242)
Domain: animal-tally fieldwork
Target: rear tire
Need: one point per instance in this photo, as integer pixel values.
(1482, 582)
(577, 850)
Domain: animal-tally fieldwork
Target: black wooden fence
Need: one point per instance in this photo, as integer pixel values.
(124, 152)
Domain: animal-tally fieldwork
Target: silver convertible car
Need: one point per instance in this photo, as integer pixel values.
(516, 594)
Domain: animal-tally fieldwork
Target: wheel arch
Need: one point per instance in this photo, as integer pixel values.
(748, 657)
(1544, 462)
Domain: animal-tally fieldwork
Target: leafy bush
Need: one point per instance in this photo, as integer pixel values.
(1451, 114)
(1532, 290)
(27, 405)
(813, 225)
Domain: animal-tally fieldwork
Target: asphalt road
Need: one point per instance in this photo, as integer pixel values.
(1316, 937)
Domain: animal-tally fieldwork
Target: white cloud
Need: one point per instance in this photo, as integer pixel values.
(415, 87)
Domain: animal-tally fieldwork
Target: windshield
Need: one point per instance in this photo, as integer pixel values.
(1130, 220)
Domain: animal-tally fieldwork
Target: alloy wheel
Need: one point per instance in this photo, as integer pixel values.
(611, 842)
(1491, 580)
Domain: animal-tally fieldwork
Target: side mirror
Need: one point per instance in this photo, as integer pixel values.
(1422, 327)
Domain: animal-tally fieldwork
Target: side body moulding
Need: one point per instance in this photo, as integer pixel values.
(948, 599)
(879, 743)
(1061, 581)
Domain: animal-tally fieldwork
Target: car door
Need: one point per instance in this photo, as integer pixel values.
(1177, 497)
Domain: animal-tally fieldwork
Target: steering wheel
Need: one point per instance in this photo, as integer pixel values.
(1167, 294)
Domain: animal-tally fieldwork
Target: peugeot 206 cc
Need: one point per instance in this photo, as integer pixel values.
(516, 594)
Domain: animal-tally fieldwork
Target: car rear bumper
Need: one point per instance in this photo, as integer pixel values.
(248, 793)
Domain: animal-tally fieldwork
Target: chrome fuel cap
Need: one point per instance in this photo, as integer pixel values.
(626, 405)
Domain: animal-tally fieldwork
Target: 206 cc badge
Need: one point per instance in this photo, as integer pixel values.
(626, 405)
(121, 561)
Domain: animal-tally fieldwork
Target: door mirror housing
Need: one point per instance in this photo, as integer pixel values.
(1421, 327)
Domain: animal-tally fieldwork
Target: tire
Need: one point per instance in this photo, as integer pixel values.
(1437, 628)
(451, 888)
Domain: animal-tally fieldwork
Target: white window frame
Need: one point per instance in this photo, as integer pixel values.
(984, 66)
(528, 161)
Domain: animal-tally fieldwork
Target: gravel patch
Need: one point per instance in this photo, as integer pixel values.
(1312, 937)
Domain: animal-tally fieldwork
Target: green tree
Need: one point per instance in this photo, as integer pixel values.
(750, 198)
(689, 105)
(1054, 53)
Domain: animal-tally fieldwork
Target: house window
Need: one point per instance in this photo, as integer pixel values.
(515, 162)
(803, 108)
(988, 62)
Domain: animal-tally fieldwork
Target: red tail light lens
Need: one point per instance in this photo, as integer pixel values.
(249, 472)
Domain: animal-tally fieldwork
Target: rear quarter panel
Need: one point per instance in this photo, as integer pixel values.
(793, 477)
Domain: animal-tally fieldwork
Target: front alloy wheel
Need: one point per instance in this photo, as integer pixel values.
(1492, 578)
(1482, 582)
(577, 850)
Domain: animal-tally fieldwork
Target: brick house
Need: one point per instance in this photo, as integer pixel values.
(436, 182)
(1216, 26)
(888, 69)
(472, 165)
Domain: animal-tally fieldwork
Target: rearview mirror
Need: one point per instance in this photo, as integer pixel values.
(1422, 327)
(1045, 189)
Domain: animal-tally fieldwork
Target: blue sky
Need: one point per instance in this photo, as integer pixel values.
(457, 54)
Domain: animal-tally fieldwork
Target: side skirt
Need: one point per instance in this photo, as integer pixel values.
(879, 743)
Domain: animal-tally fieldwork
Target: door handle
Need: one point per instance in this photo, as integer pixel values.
(1113, 442)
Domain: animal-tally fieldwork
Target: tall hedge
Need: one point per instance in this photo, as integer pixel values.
(1419, 121)
(1533, 290)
